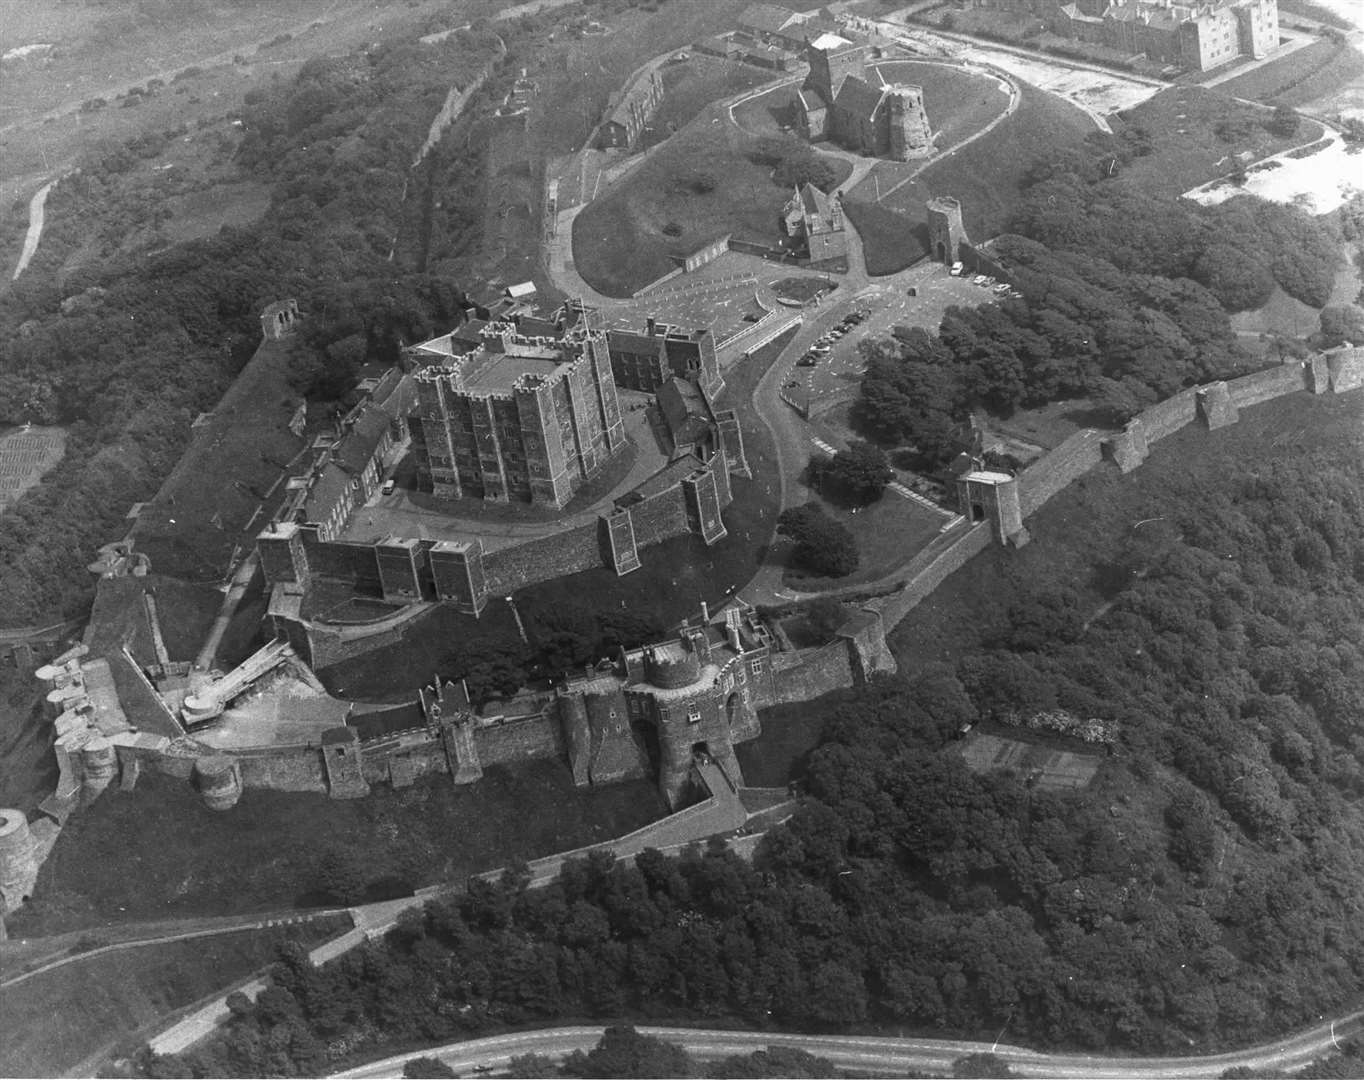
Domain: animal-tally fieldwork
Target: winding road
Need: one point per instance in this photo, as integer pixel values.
(879, 1055)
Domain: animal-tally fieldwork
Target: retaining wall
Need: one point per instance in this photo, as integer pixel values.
(283, 770)
(521, 740)
(512, 568)
(894, 608)
(1168, 416)
(1265, 385)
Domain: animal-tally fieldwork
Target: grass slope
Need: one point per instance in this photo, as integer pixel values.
(177, 858)
(986, 176)
(1182, 123)
(1314, 71)
(618, 240)
(55, 1020)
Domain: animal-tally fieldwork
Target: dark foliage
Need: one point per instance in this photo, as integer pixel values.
(856, 475)
(824, 546)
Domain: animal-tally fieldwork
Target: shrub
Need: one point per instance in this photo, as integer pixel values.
(823, 546)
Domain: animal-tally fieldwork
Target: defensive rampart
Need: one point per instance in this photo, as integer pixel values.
(1214, 405)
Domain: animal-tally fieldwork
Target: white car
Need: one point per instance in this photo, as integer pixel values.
(956, 269)
(979, 279)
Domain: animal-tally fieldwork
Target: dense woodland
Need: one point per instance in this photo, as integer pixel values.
(1125, 299)
(1202, 892)
(127, 349)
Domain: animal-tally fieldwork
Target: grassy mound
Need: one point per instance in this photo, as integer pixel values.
(986, 176)
(702, 184)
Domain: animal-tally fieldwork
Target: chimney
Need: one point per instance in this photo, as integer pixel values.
(651, 326)
(705, 612)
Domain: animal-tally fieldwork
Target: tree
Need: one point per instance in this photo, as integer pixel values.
(824, 616)
(860, 473)
(823, 546)
(1341, 324)
(1284, 123)
(981, 1066)
(624, 1052)
(532, 1066)
(429, 1068)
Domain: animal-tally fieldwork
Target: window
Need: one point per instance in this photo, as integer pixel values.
(694, 713)
(756, 666)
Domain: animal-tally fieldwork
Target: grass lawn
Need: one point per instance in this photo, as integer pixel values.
(575, 77)
(891, 239)
(56, 1020)
(888, 532)
(618, 241)
(1187, 150)
(176, 858)
(1314, 71)
(1085, 525)
(689, 86)
(986, 176)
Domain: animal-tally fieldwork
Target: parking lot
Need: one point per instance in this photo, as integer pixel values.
(835, 378)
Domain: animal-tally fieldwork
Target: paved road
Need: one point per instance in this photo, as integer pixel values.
(889, 1056)
(35, 227)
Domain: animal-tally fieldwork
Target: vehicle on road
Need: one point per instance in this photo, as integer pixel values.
(806, 361)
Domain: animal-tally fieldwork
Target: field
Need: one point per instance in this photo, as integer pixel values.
(701, 184)
(56, 1020)
(1316, 71)
(1187, 150)
(25, 455)
(986, 176)
(158, 852)
(1055, 769)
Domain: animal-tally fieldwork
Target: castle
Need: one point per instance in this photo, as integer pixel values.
(1196, 36)
(840, 103)
(520, 419)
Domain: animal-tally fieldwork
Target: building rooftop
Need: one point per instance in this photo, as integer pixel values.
(501, 372)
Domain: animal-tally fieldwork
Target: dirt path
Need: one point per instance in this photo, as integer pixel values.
(35, 227)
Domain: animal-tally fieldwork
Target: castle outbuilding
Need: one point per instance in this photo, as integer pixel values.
(816, 221)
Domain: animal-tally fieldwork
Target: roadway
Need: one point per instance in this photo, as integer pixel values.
(881, 1055)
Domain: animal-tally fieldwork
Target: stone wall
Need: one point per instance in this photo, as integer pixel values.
(808, 673)
(1347, 368)
(297, 769)
(512, 568)
(1053, 471)
(1168, 416)
(660, 516)
(1265, 385)
(894, 608)
(522, 740)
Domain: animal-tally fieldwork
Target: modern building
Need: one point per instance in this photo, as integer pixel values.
(520, 418)
(816, 221)
(863, 113)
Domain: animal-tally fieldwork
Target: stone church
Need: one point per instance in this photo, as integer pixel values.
(862, 113)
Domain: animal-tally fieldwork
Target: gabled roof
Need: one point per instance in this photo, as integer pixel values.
(684, 411)
(858, 97)
(326, 492)
(357, 446)
(812, 200)
(811, 99)
(767, 18)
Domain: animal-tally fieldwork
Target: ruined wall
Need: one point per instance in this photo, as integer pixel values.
(1347, 368)
(808, 673)
(1053, 471)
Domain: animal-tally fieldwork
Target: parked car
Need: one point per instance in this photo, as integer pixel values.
(979, 279)
(806, 361)
(388, 487)
(956, 269)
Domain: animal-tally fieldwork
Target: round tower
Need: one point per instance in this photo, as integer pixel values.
(18, 860)
(946, 233)
(673, 670)
(219, 780)
(99, 762)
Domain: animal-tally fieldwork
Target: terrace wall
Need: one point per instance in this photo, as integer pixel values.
(808, 673)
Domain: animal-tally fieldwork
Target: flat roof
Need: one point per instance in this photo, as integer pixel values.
(498, 372)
